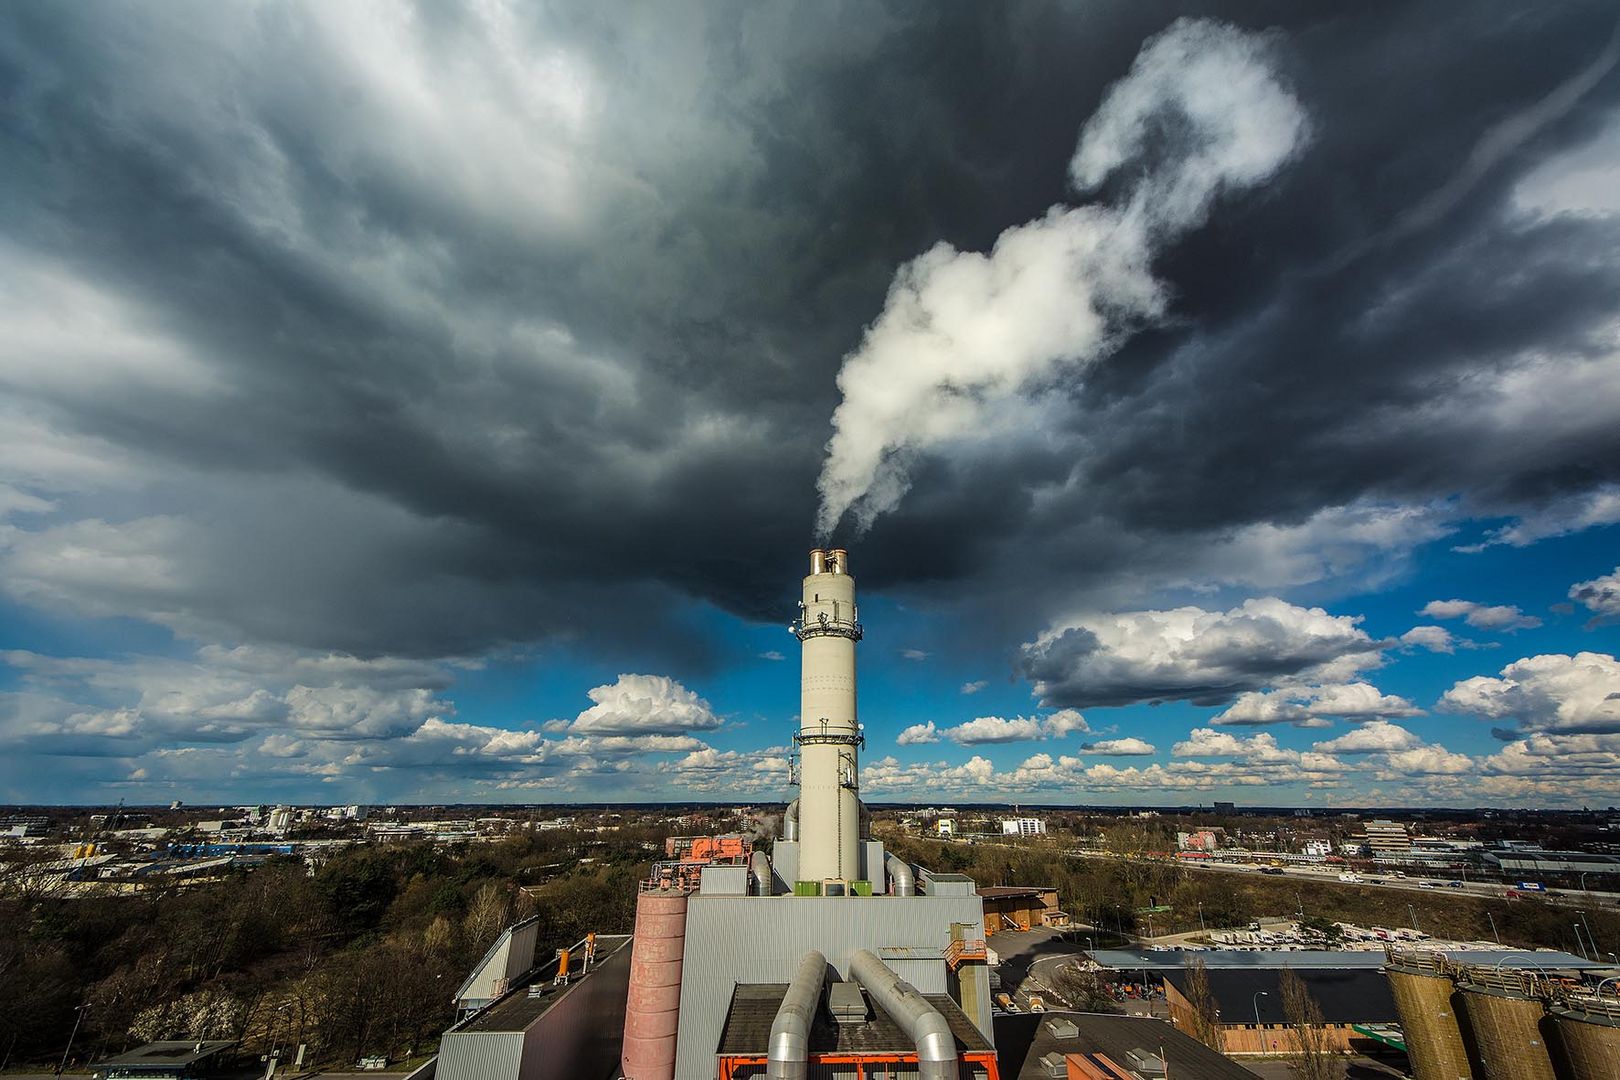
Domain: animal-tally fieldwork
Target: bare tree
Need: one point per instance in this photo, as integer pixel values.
(1317, 1059)
(487, 915)
(1084, 990)
(1205, 1018)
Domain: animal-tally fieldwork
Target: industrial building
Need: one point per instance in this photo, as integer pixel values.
(1464, 1021)
(1023, 826)
(826, 956)
(1020, 907)
(556, 1021)
(1535, 863)
(1249, 1002)
(172, 1059)
(1099, 1046)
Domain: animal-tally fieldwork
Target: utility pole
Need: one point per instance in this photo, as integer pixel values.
(78, 1017)
(1494, 934)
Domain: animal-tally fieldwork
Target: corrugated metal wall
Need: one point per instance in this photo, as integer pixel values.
(480, 1055)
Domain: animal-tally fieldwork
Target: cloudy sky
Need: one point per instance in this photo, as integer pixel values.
(433, 403)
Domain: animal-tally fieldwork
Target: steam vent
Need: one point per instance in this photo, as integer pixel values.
(823, 949)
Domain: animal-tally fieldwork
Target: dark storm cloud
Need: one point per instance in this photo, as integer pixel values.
(497, 328)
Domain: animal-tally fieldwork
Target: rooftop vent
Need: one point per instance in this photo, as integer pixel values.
(846, 1003)
(1062, 1028)
(1055, 1064)
(1145, 1062)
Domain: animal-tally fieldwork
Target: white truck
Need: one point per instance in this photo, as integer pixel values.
(1350, 877)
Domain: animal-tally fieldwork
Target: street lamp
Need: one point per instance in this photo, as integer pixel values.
(1494, 934)
(1201, 925)
(1257, 998)
(1410, 910)
(78, 1017)
(1579, 944)
(1590, 940)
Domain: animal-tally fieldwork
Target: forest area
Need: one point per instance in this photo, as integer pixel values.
(359, 958)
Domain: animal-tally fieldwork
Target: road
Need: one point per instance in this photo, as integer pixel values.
(1422, 886)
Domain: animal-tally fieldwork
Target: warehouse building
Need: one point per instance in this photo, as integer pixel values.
(1020, 907)
(1250, 1006)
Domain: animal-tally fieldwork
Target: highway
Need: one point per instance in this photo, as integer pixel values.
(1386, 880)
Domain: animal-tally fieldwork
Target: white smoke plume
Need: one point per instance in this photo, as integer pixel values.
(964, 334)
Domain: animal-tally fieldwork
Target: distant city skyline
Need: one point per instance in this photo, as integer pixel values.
(411, 404)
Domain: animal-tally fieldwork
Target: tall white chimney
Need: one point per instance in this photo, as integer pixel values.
(829, 739)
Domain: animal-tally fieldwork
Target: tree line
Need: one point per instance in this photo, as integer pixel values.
(359, 956)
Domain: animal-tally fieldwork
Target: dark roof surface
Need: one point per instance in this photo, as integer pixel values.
(1022, 1039)
(1003, 892)
(517, 1010)
(753, 1010)
(167, 1053)
(1347, 996)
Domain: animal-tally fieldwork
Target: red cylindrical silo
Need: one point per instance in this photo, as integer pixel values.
(652, 1013)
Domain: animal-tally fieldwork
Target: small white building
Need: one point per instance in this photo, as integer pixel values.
(1316, 849)
(945, 826)
(1023, 826)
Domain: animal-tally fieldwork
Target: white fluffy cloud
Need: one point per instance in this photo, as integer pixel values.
(996, 729)
(1481, 616)
(644, 705)
(1433, 638)
(1552, 692)
(1375, 737)
(1126, 747)
(975, 686)
(1601, 595)
(918, 734)
(1206, 657)
(964, 337)
(1312, 706)
(1570, 515)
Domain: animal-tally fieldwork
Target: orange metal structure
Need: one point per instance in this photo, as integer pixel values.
(729, 848)
(867, 1066)
(959, 951)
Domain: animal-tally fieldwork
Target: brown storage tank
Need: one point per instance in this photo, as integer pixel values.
(1589, 1036)
(1507, 1016)
(1422, 988)
(652, 1013)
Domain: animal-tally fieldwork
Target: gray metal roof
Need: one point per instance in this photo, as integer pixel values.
(1170, 960)
(1347, 996)
(166, 1054)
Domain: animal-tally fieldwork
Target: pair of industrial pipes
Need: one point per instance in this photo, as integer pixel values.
(925, 1025)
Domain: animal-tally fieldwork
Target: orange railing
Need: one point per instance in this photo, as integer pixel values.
(959, 951)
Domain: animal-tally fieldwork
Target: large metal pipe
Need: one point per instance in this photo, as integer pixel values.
(759, 866)
(789, 1057)
(927, 1027)
(790, 821)
(902, 882)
